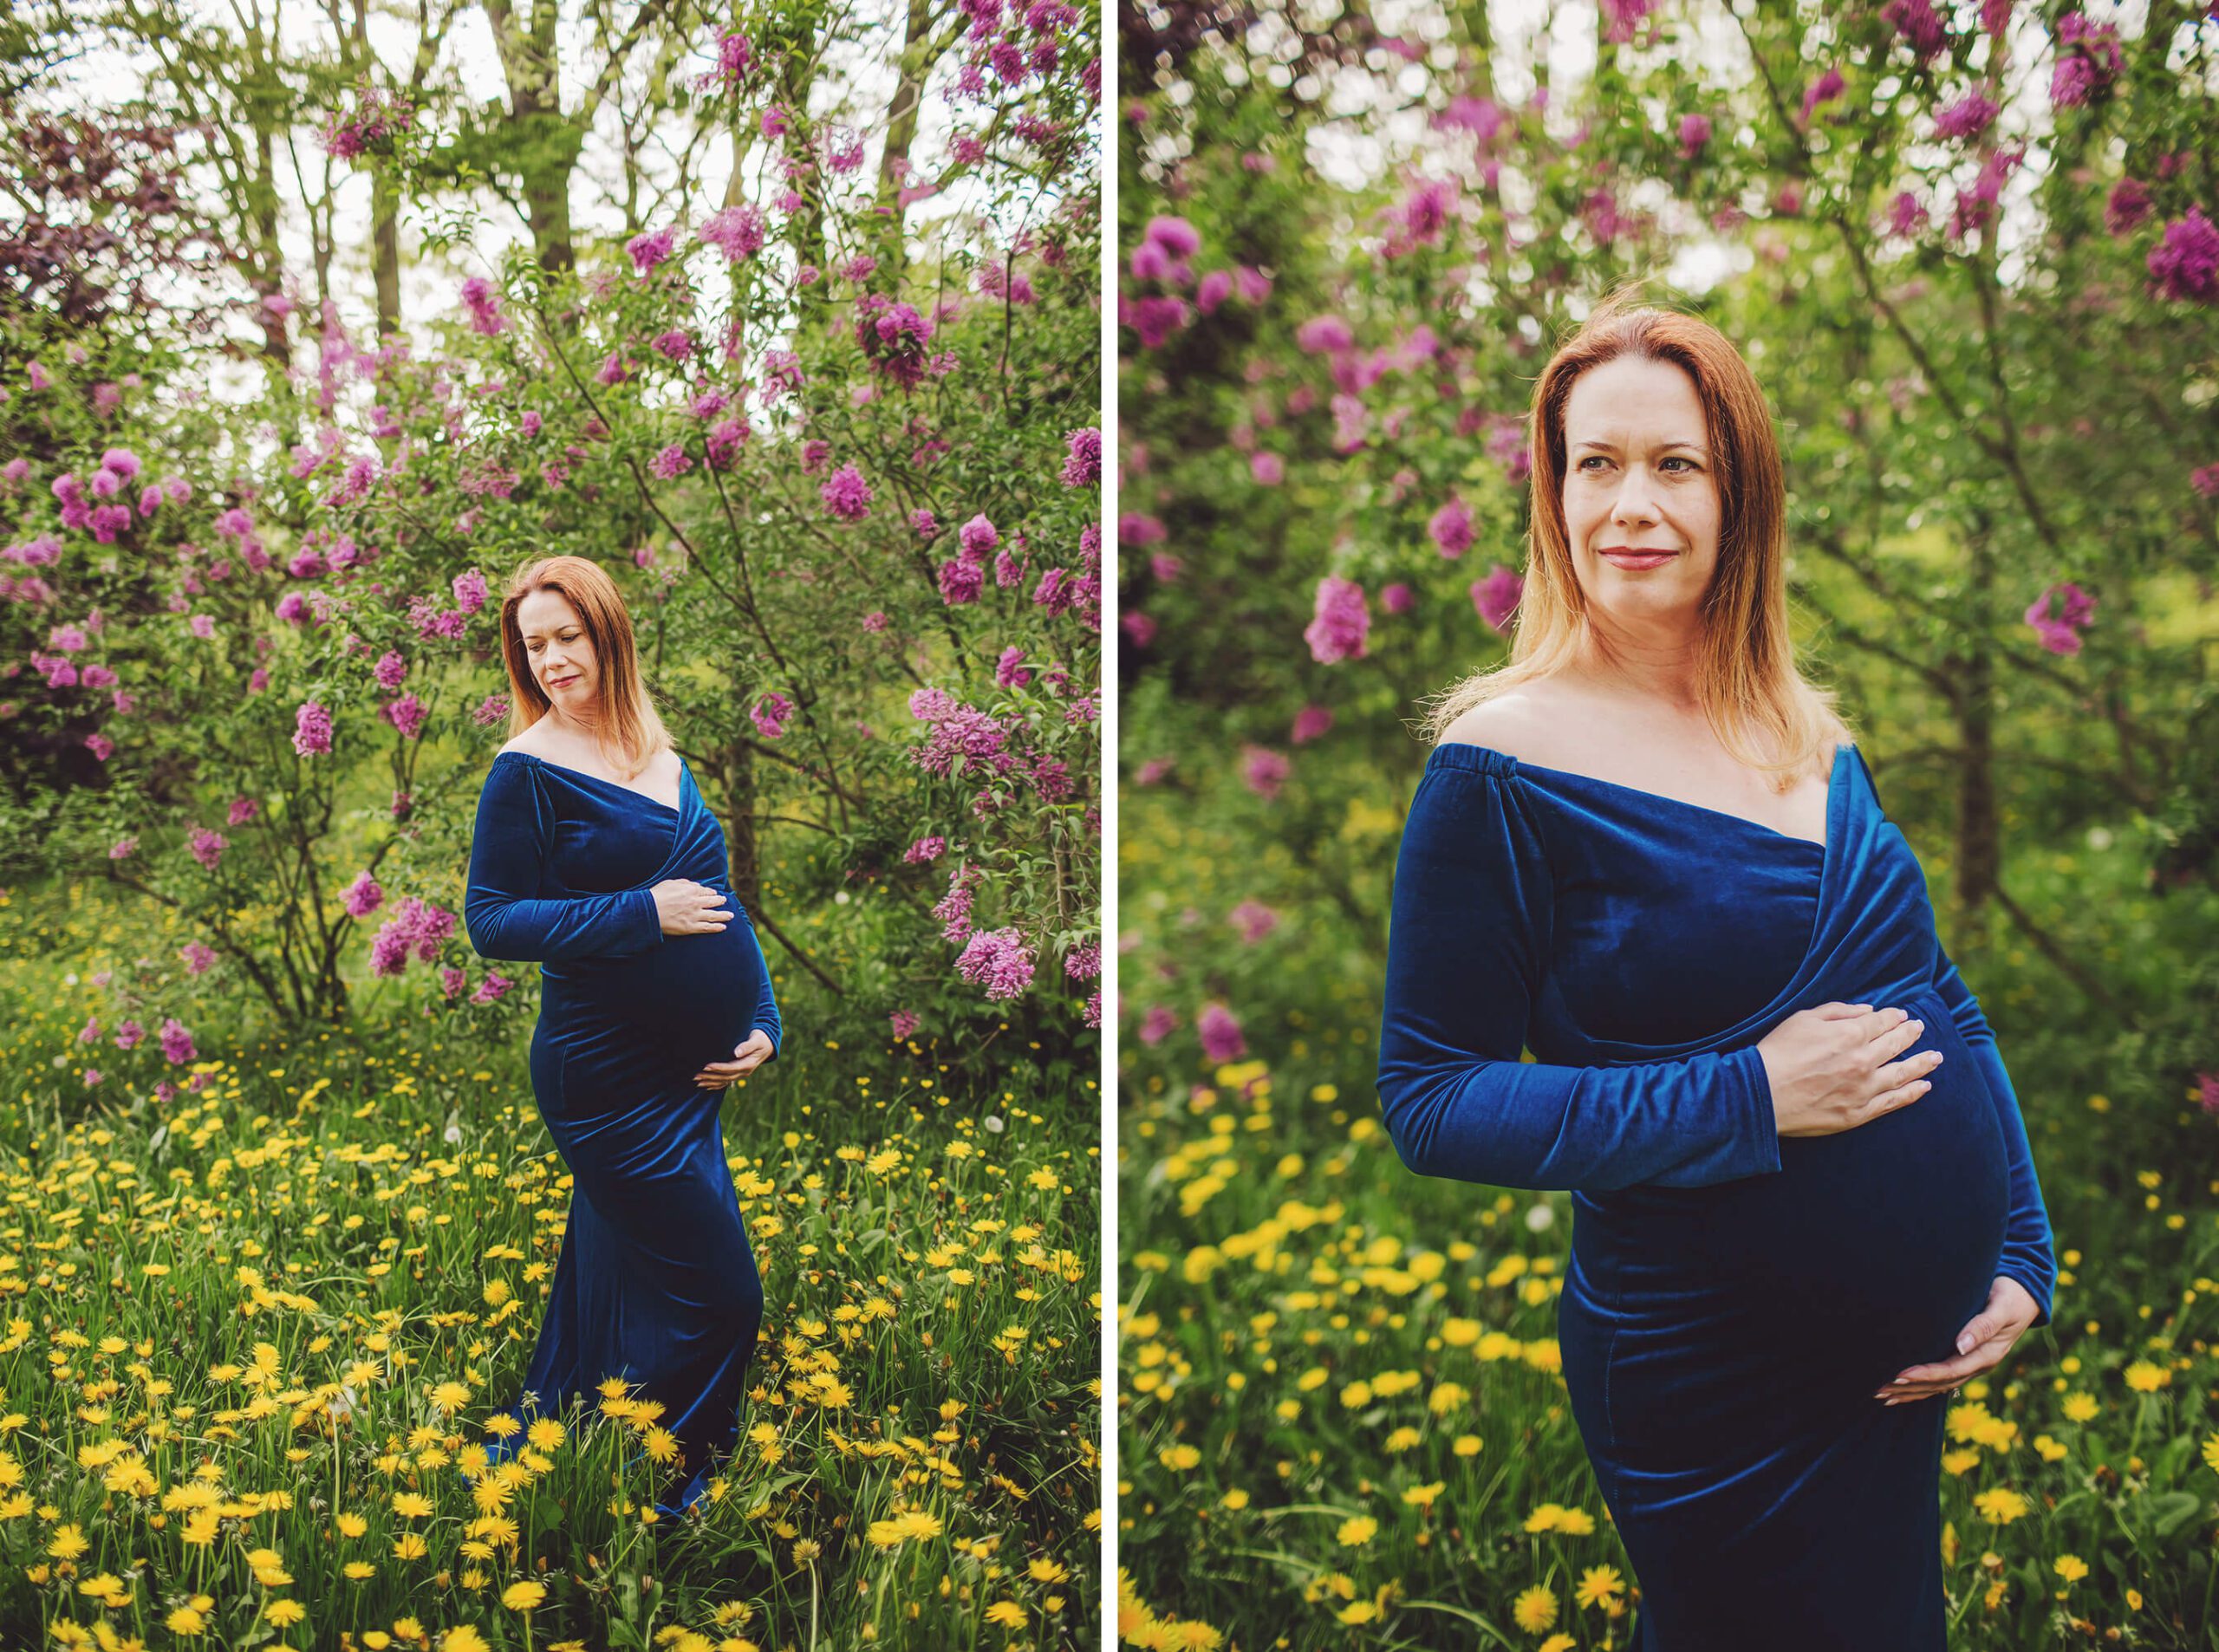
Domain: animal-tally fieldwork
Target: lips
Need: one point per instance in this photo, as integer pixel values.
(560, 681)
(1625, 558)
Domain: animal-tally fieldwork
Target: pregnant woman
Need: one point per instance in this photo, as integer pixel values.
(1805, 1208)
(594, 857)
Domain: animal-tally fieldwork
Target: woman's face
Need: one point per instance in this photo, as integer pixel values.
(1638, 476)
(559, 653)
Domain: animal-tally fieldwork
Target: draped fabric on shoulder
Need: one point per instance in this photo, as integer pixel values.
(1734, 1297)
(655, 1283)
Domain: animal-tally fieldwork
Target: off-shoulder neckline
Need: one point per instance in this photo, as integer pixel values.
(684, 774)
(1486, 760)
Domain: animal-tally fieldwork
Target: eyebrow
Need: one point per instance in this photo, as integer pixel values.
(565, 625)
(1696, 448)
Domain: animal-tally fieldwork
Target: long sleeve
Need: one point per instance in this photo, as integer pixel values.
(500, 907)
(2027, 1238)
(1469, 927)
(766, 1002)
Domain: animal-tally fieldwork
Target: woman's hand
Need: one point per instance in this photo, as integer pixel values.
(1985, 1340)
(686, 907)
(1833, 1067)
(745, 1059)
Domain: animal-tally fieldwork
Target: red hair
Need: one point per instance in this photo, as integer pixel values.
(626, 717)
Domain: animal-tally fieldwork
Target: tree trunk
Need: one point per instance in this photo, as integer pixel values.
(739, 829)
(891, 246)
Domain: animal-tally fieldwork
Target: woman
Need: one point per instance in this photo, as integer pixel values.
(1804, 1204)
(595, 856)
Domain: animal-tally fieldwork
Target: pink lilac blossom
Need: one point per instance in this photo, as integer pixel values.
(846, 495)
(1451, 528)
(1157, 1024)
(469, 589)
(647, 251)
(242, 809)
(362, 896)
(1253, 919)
(953, 908)
(1009, 670)
(1495, 597)
(1914, 20)
(1825, 90)
(491, 710)
(2126, 207)
(1966, 119)
(924, 851)
(960, 582)
(998, 960)
(483, 301)
(2184, 265)
(129, 1036)
(176, 1042)
(902, 1024)
(123, 848)
(407, 714)
(491, 989)
(2060, 631)
(1311, 723)
(417, 927)
(1083, 962)
(1695, 133)
(207, 847)
(1083, 465)
(389, 670)
(770, 713)
(1220, 1034)
(671, 463)
(198, 959)
(1340, 622)
(2088, 60)
(312, 730)
(1263, 770)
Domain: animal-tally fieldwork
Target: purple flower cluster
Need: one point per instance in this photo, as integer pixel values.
(998, 960)
(417, 927)
(407, 714)
(2060, 631)
(2184, 265)
(1220, 1034)
(483, 300)
(1495, 597)
(924, 851)
(207, 847)
(176, 1042)
(1340, 621)
(650, 249)
(362, 896)
(894, 338)
(770, 714)
(737, 231)
(2088, 60)
(312, 730)
(846, 495)
(1082, 468)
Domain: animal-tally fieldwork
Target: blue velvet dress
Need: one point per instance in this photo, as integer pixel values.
(656, 1282)
(1733, 1299)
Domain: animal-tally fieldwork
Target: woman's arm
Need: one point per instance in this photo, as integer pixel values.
(1471, 918)
(766, 1002)
(500, 909)
(2027, 1238)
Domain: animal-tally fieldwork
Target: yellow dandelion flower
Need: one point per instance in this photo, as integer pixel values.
(1558, 1643)
(1235, 1499)
(412, 1505)
(2145, 1378)
(1468, 1445)
(1357, 1611)
(524, 1597)
(546, 1434)
(2080, 1408)
(1599, 1586)
(1007, 1613)
(409, 1545)
(662, 1446)
(2071, 1567)
(188, 1621)
(1358, 1531)
(1545, 1518)
(2001, 1504)
(67, 1544)
(1045, 1570)
(1179, 1458)
(1535, 1609)
(359, 1569)
(284, 1613)
(463, 1638)
(1423, 1496)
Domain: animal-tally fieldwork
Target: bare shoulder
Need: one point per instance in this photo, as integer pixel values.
(1517, 724)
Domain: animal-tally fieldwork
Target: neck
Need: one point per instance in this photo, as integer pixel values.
(1654, 663)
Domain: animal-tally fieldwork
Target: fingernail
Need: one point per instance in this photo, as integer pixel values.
(1965, 1343)
(1899, 1381)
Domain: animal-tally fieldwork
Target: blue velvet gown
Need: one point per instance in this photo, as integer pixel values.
(1733, 1299)
(656, 1282)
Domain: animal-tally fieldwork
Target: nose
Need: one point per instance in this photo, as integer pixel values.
(1634, 503)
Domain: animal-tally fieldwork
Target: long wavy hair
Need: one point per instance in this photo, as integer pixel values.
(1760, 706)
(629, 732)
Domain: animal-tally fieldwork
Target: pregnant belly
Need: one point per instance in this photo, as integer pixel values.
(687, 1001)
(1884, 1237)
